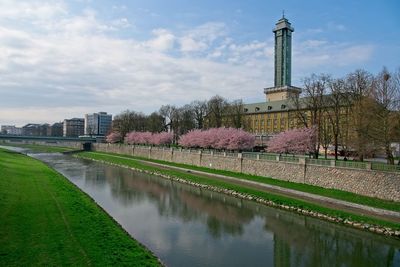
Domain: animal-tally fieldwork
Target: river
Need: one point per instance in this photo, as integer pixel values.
(187, 226)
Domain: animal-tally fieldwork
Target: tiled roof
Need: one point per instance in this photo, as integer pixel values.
(271, 106)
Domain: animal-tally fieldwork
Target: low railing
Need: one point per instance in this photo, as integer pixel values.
(378, 166)
(321, 162)
(289, 159)
(231, 154)
(351, 164)
(270, 157)
(249, 155)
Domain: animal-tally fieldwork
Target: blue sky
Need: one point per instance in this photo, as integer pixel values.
(62, 59)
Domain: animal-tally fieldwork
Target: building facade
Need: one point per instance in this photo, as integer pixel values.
(57, 129)
(11, 129)
(73, 127)
(31, 129)
(98, 123)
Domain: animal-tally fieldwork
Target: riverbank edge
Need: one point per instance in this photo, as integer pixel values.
(115, 222)
(374, 228)
(39, 148)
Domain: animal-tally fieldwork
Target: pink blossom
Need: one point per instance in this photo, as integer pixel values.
(163, 138)
(148, 138)
(293, 141)
(113, 137)
(218, 138)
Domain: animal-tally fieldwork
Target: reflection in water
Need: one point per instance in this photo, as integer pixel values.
(188, 226)
(177, 200)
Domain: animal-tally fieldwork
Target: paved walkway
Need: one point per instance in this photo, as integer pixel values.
(309, 197)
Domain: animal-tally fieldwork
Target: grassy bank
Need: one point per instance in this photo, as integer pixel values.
(131, 162)
(40, 148)
(46, 220)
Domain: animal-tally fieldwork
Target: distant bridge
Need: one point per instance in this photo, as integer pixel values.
(49, 139)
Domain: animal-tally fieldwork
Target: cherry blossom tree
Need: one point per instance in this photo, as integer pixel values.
(164, 138)
(296, 141)
(192, 139)
(241, 140)
(114, 137)
(148, 138)
(218, 138)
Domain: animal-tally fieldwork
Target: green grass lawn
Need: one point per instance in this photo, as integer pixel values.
(327, 192)
(46, 220)
(131, 162)
(40, 148)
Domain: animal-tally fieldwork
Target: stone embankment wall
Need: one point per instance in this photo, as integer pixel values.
(379, 184)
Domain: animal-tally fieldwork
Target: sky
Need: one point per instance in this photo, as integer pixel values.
(63, 59)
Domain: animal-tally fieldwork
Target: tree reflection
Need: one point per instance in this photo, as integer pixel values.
(219, 212)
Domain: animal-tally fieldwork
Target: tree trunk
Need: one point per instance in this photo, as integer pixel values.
(336, 147)
(389, 155)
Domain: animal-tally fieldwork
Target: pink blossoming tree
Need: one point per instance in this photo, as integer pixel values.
(218, 138)
(148, 138)
(296, 141)
(163, 138)
(114, 137)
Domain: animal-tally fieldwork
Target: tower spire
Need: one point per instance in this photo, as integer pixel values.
(283, 62)
(283, 52)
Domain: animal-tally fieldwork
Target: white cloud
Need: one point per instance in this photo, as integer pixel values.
(11, 9)
(313, 56)
(190, 45)
(121, 23)
(72, 64)
(202, 37)
(163, 41)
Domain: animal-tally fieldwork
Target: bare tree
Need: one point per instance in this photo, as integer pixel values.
(325, 132)
(199, 110)
(336, 104)
(309, 106)
(124, 122)
(360, 87)
(169, 114)
(155, 123)
(234, 114)
(386, 96)
(185, 119)
(216, 109)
